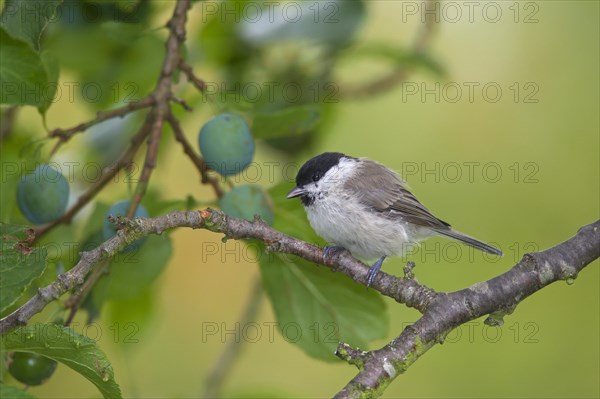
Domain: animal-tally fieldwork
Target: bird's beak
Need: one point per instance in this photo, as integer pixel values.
(296, 192)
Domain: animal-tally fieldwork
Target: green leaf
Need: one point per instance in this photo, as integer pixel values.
(12, 392)
(315, 308)
(27, 19)
(130, 273)
(22, 73)
(291, 121)
(118, 45)
(65, 346)
(51, 67)
(19, 264)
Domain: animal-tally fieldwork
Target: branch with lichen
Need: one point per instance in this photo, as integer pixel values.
(496, 297)
(442, 312)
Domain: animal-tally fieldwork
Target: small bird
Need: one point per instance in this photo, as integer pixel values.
(364, 207)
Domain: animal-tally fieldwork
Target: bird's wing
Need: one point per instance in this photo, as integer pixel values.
(382, 190)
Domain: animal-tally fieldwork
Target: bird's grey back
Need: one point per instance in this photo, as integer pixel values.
(382, 190)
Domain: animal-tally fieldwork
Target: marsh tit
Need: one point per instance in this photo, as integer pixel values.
(366, 208)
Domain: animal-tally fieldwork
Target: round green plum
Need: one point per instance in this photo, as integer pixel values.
(120, 209)
(247, 200)
(31, 368)
(226, 144)
(43, 195)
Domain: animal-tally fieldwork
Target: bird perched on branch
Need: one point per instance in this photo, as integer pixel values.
(364, 207)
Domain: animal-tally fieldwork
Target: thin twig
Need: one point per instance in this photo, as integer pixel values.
(75, 301)
(158, 100)
(198, 83)
(191, 77)
(152, 129)
(107, 175)
(150, 161)
(205, 178)
(162, 95)
(65, 135)
(223, 366)
(181, 102)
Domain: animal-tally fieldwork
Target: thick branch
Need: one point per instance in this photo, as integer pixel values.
(449, 310)
(407, 291)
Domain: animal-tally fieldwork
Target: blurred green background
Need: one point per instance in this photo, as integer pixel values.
(541, 135)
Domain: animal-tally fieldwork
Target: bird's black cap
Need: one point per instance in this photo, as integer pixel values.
(316, 167)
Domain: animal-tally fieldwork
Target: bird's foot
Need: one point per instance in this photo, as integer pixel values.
(408, 270)
(374, 270)
(329, 252)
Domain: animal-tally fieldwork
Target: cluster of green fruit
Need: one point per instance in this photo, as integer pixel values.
(227, 147)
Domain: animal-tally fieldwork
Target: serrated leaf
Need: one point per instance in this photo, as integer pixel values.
(130, 273)
(19, 263)
(22, 73)
(290, 121)
(69, 348)
(27, 19)
(12, 392)
(315, 308)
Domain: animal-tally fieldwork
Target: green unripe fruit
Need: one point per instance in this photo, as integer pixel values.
(31, 368)
(246, 201)
(120, 209)
(43, 195)
(226, 144)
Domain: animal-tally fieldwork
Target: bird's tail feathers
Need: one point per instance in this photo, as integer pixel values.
(482, 246)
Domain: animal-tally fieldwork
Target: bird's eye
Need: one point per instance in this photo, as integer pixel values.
(316, 177)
